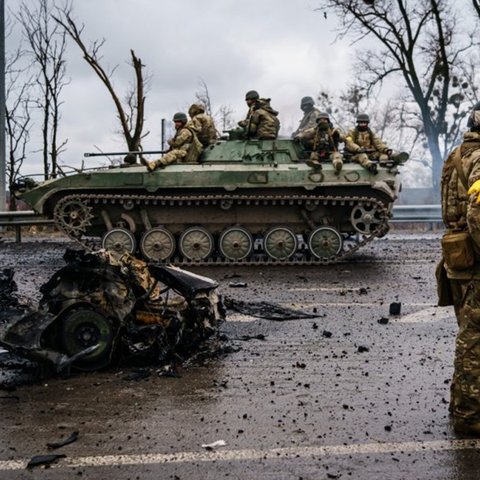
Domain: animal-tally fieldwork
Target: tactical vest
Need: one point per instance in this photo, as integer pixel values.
(324, 142)
(356, 137)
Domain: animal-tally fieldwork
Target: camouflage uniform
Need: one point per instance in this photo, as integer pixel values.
(202, 124)
(308, 121)
(357, 141)
(184, 147)
(325, 147)
(461, 212)
(261, 121)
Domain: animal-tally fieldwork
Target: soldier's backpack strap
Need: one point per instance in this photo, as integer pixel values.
(457, 160)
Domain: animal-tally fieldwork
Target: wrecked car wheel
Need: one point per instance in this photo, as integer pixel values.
(83, 328)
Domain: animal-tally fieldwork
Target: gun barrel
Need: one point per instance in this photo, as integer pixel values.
(107, 154)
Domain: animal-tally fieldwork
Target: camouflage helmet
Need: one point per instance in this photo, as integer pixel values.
(195, 109)
(252, 95)
(180, 117)
(307, 101)
(323, 116)
(474, 119)
(363, 117)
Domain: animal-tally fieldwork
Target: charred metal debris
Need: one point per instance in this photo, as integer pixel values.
(99, 309)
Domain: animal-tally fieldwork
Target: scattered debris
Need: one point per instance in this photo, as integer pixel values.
(136, 375)
(246, 338)
(237, 284)
(39, 460)
(8, 288)
(326, 334)
(168, 371)
(70, 439)
(362, 349)
(382, 321)
(395, 308)
(269, 311)
(211, 446)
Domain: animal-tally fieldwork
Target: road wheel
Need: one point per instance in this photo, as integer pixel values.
(82, 328)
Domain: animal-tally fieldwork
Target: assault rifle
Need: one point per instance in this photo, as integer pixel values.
(139, 152)
(394, 158)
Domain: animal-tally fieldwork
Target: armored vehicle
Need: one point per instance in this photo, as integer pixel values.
(245, 201)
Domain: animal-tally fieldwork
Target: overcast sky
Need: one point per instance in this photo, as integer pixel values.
(284, 49)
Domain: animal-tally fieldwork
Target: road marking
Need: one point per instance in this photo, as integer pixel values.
(251, 454)
(432, 314)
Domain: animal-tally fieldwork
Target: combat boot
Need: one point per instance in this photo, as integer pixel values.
(315, 164)
(150, 165)
(313, 161)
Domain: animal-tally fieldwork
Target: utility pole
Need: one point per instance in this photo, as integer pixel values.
(163, 135)
(3, 163)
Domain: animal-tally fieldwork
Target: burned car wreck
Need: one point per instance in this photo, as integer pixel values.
(98, 309)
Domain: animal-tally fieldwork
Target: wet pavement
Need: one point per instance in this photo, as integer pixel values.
(356, 392)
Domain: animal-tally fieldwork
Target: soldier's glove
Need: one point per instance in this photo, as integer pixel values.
(475, 190)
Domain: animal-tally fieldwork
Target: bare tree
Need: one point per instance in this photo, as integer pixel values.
(18, 104)
(132, 114)
(419, 42)
(343, 106)
(222, 115)
(203, 96)
(47, 47)
(476, 6)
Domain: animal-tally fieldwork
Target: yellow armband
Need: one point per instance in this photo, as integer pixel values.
(475, 190)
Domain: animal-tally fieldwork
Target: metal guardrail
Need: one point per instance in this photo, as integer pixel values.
(24, 218)
(417, 213)
(401, 213)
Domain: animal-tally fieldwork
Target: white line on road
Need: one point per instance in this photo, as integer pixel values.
(251, 454)
(432, 314)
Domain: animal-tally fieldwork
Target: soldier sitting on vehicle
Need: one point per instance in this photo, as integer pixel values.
(262, 121)
(310, 115)
(202, 124)
(366, 145)
(325, 144)
(184, 146)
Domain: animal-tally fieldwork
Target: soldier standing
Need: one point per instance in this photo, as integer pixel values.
(366, 145)
(461, 264)
(202, 124)
(184, 146)
(325, 144)
(310, 115)
(262, 120)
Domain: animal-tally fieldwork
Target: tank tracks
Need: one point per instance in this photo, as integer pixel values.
(73, 214)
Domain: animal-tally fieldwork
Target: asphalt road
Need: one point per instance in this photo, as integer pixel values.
(354, 393)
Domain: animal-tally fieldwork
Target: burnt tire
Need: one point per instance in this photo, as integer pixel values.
(82, 328)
